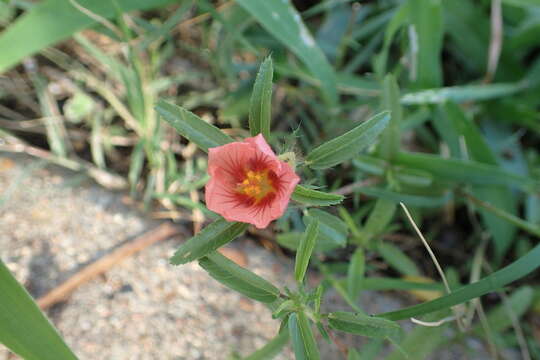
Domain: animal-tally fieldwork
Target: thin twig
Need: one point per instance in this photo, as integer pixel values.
(457, 314)
(100, 266)
(201, 18)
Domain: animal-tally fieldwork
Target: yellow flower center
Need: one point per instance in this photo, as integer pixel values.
(256, 185)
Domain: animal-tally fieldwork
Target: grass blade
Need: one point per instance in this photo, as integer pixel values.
(23, 327)
(518, 269)
(282, 20)
(427, 21)
(471, 172)
(499, 196)
(396, 258)
(20, 39)
(390, 138)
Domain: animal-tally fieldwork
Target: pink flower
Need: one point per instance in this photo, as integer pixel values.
(248, 183)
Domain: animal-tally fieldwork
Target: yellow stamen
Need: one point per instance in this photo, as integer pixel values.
(256, 185)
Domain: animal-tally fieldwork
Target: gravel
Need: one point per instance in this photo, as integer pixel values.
(143, 308)
(54, 222)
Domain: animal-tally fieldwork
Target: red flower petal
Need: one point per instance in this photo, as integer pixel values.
(248, 183)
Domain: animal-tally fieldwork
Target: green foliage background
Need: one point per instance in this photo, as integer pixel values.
(431, 103)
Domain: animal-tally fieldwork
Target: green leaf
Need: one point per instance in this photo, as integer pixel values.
(390, 138)
(237, 278)
(462, 93)
(281, 19)
(307, 244)
(213, 236)
(313, 197)
(407, 199)
(377, 222)
(261, 100)
(303, 341)
(370, 326)
(426, 18)
(318, 298)
(499, 196)
(382, 283)
(396, 258)
(353, 354)
(421, 341)
(349, 144)
(399, 19)
(272, 348)
(192, 127)
(523, 3)
(333, 231)
(470, 172)
(136, 166)
(20, 38)
(24, 329)
(516, 270)
(405, 176)
(355, 273)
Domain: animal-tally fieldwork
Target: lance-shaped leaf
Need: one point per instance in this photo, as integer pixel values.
(457, 170)
(215, 235)
(23, 327)
(333, 231)
(353, 354)
(378, 220)
(397, 259)
(428, 26)
(272, 348)
(369, 326)
(192, 127)
(261, 100)
(307, 244)
(390, 139)
(237, 278)
(348, 145)
(355, 273)
(303, 341)
(313, 197)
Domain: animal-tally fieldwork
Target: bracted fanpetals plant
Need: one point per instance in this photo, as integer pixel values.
(249, 184)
